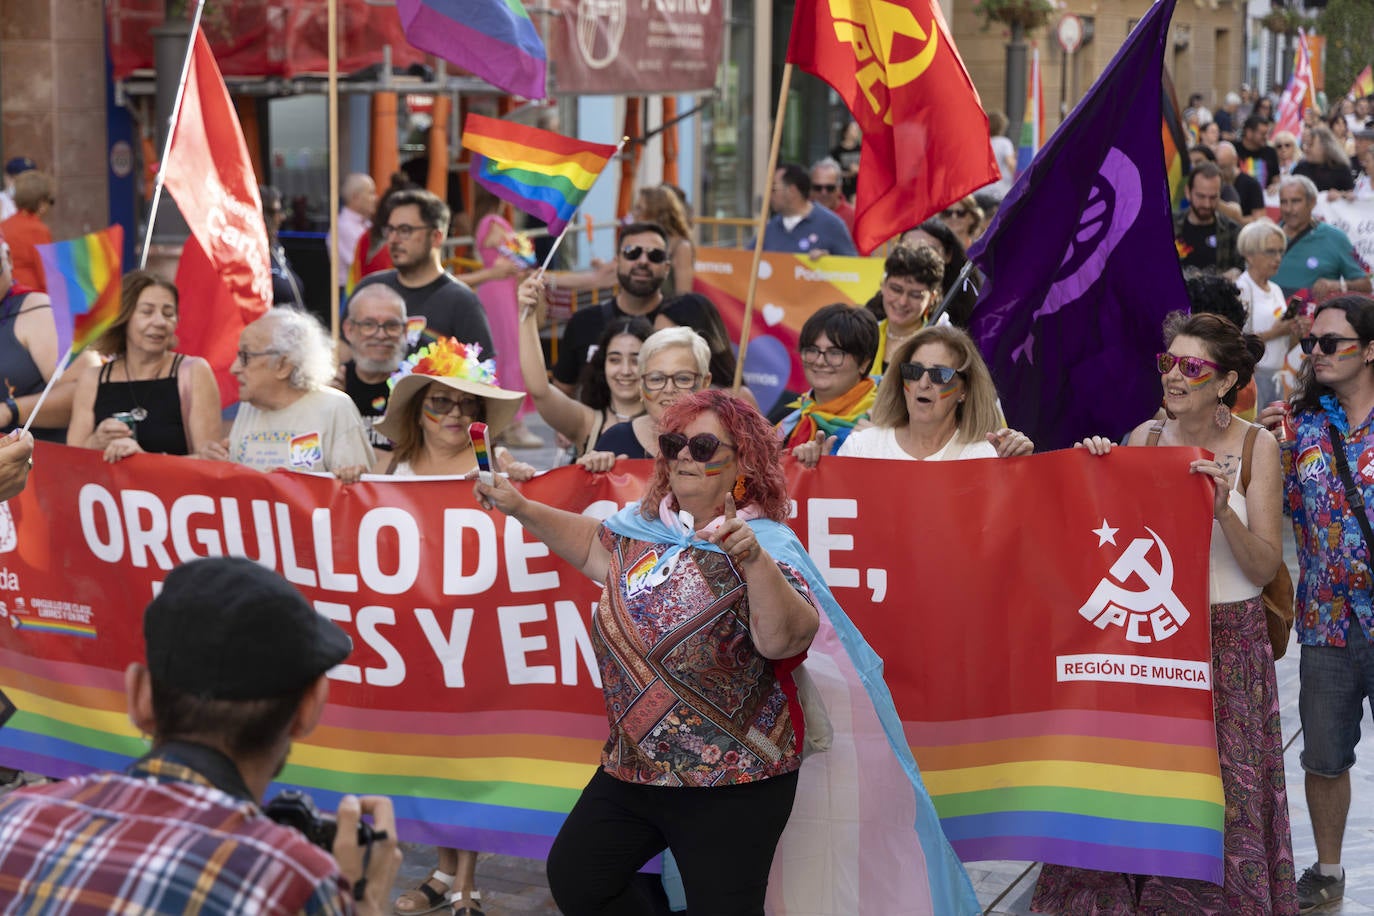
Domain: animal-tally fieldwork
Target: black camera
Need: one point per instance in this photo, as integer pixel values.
(293, 808)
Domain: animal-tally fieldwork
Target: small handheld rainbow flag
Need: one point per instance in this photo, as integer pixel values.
(1363, 85)
(83, 284)
(547, 175)
(477, 432)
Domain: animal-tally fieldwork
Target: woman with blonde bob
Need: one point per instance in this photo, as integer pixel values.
(936, 402)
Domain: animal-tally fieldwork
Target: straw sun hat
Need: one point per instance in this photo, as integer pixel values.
(454, 365)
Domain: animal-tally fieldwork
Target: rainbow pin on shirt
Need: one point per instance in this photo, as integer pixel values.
(477, 432)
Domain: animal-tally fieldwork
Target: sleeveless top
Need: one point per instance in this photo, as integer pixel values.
(162, 430)
(1226, 581)
(17, 369)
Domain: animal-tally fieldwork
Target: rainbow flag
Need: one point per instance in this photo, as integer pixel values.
(1175, 144)
(1033, 126)
(493, 39)
(83, 284)
(546, 175)
(1363, 85)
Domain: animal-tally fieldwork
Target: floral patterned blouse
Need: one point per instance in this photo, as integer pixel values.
(689, 699)
(1334, 576)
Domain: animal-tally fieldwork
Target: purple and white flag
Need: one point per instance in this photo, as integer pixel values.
(1081, 263)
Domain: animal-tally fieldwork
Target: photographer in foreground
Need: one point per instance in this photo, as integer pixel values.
(236, 663)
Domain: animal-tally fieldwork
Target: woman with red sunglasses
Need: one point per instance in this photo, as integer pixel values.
(1207, 362)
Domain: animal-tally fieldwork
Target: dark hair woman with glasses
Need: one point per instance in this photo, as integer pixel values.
(1207, 362)
(838, 345)
(707, 595)
(936, 402)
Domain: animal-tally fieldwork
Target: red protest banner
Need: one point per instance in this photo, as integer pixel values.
(1010, 600)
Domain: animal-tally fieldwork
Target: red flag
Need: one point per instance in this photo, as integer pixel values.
(209, 174)
(925, 141)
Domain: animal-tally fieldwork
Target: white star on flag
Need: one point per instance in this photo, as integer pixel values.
(1105, 534)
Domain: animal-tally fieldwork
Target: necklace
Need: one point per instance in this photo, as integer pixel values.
(139, 413)
(623, 417)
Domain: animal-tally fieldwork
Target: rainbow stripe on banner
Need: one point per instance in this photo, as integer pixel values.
(506, 779)
(53, 626)
(546, 175)
(83, 284)
(1113, 791)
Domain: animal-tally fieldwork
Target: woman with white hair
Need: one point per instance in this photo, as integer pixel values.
(289, 417)
(673, 363)
(1261, 244)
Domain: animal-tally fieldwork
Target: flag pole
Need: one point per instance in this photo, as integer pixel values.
(759, 227)
(167, 146)
(43, 395)
(334, 170)
(553, 249)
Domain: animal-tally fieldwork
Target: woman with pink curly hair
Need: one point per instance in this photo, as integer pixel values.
(706, 613)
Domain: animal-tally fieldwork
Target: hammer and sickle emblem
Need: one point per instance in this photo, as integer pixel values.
(1134, 563)
(868, 28)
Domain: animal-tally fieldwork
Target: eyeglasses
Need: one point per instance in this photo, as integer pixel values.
(1190, 366)
(369, 327)
(833, 357)
(940, 375)
(1272, 252)
(702, 447)
(634, 252)
(825, 188)
(245, 355)
(402, 232)
(682, 381)
(1327, 343)
(1284, 145)
(441, 406)
(958, 212)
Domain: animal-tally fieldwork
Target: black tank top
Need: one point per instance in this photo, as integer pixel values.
(162, 430)
(17, 369)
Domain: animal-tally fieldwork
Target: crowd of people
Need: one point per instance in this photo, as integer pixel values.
(647, 373)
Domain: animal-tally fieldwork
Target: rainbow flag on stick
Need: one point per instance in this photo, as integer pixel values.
(83, 284)
(493, 39)
(546, 175)
(1363, 85)
(1033, 126)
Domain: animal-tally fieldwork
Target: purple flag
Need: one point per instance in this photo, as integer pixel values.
(1081, 263)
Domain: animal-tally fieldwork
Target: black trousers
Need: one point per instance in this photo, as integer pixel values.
(722, 838)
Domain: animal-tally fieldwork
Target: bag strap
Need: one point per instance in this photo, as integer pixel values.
(1354, 498)
(1246, 451)
(1155, 432)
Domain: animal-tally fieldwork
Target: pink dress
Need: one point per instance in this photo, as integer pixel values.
(498, 297)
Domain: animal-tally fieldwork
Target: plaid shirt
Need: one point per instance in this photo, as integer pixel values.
(159, 839)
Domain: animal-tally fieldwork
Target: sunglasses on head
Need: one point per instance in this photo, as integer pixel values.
(940, 375)
(1327, 343)
(702, 447)
(633, 253)
(1190, 366)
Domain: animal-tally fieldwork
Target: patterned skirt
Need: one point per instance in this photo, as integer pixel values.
(1259, 879)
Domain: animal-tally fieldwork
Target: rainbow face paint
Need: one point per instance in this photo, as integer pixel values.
(714, 468)
(950, 390)
(430, 414)
(1351, 351)
(477, 432)
(1199, 381)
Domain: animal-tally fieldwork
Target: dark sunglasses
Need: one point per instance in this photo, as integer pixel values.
(825, 188)
(1190, 366)
(958, 212)
(940, 375)
(633, 253)
(1327, 343)
(702, 447)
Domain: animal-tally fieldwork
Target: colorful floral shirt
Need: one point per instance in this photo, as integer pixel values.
(1334, 565)
(689, 699)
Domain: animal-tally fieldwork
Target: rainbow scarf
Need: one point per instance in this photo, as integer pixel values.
(83, 284)
(836, 416)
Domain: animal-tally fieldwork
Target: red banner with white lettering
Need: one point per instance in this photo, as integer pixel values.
(1043, 622)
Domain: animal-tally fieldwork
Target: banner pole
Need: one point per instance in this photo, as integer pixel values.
(762, 222)
(334, 170)
(167, 146)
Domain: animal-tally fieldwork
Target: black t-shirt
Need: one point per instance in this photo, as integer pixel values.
(1199, 243)
(1262, 163)
(1327, 177)
(450, 308)
(1249, 194)
(370, 398)
(581, 333)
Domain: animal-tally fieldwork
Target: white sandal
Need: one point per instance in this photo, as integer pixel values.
(474, 907)
(425, 898)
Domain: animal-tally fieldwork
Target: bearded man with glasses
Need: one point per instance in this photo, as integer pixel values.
(376, 333)
(415, 229)
(641, 266)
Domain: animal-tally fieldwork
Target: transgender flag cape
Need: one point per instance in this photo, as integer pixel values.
(864, 836)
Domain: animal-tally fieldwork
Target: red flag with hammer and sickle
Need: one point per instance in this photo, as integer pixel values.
(925, 136)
